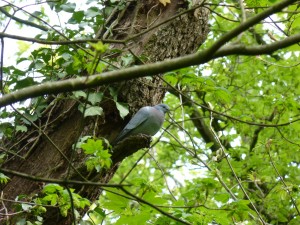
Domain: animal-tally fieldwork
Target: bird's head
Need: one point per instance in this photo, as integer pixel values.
(162, 107)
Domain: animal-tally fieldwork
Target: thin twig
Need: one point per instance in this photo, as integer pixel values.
(233, 172)
(4, 207)
(26, 22)
(268, 147)
(135, 164)
(72, 204)
(164, 176)
(1, 66)
(140, 200)
(58, 181)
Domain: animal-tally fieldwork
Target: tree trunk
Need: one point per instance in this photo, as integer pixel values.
(48, 151)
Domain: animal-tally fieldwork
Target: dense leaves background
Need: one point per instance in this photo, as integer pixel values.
(246, 172)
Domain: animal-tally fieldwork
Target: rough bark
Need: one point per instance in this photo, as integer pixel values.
(64, 124)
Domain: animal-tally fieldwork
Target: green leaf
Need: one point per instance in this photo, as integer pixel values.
(92, 146)
(99, 46)
(23, 47)
(51, 198)
(93, 111)
(64, 210)
(26, 207)
(83, 202)
(29, 81)
(79, 94)
(3, 178)
(241, 209)
(153, 197)
(295, 48)
(123, 109)
(115, 202)
(127, 59)
(95, 98)
(77, 17)
(92, 12)
(223, 95)
(21, 128)
(209, 144)
(6, 128)
(222, 197)
(29, 117)
(102, 159)
(99, 158)
(97, 215)
(134, 219)
(52, 188)
(68, 7)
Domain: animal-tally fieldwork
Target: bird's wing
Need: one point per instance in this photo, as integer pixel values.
(139, 118)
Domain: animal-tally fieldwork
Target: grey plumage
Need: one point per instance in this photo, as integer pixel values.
(148, 120)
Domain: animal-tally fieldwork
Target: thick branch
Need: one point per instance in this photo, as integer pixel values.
(160, 67)
(258, 130)
(247, 24)
(141, 71)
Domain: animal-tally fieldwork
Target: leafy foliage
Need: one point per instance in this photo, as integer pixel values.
(57, 195)
(3, 179)
(98, 156)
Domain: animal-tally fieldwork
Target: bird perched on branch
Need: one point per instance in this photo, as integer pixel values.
(148, 120)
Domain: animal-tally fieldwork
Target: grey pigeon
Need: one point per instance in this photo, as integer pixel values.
(148, 120)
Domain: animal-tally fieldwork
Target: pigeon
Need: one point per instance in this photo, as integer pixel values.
(148, 120)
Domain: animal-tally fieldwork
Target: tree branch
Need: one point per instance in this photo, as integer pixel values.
(140, 200)
(258, 130)
(58, 181)
(246, 25)
(67, 42)
(28, 23)
(258, 49)
(160, 67)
